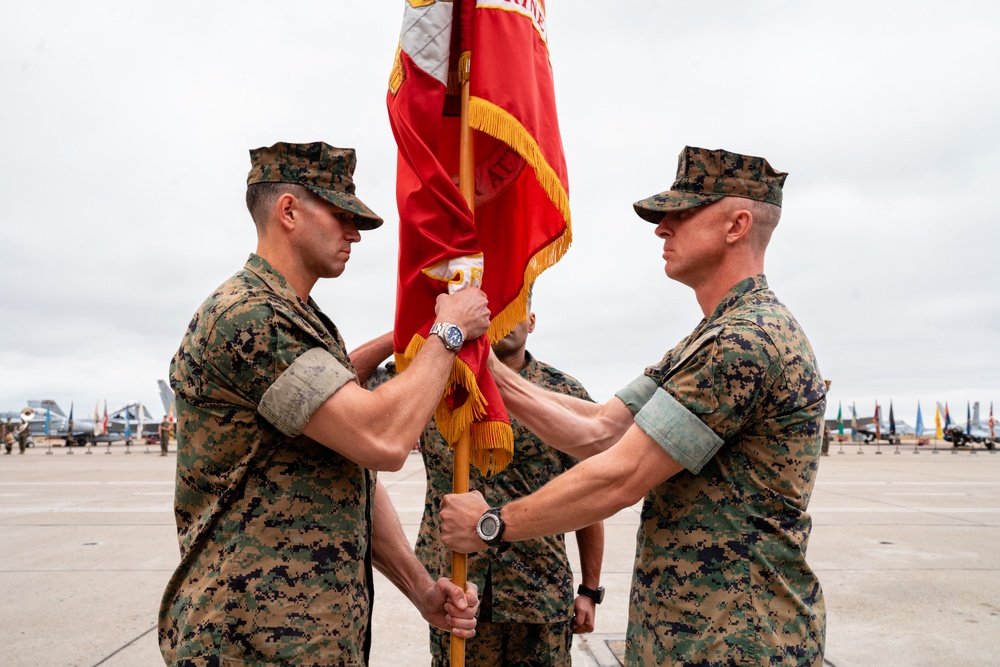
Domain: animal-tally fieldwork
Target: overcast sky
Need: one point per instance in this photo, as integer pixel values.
(125, 128)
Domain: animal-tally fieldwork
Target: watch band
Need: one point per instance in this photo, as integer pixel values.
(596, 595)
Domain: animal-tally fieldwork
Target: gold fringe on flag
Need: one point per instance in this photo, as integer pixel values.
(492, 442)
(493, 120)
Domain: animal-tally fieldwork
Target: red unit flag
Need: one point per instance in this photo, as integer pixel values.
(521, 224)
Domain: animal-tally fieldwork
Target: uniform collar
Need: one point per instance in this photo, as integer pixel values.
(739, 291)
(261, 268)
(529, 364)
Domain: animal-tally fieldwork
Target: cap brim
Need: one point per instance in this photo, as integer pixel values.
(364, 217)
(651, 209)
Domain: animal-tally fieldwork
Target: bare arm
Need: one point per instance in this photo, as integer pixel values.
(591, 491)
(590, 543)
(367, 356)
(441, 603)
(377, 429)
(570, 424)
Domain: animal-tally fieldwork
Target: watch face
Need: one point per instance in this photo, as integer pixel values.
(489, 527)
(454, 336)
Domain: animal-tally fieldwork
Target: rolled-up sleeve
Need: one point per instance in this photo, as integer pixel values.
(291, 400)
(636, 393)
(680, 432)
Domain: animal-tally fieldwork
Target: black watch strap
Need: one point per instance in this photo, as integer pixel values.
(596, 595)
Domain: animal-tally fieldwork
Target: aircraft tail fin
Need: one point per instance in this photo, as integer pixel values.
(167, 396)
(49, 405)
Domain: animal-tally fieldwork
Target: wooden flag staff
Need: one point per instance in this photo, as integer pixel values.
(462, 451)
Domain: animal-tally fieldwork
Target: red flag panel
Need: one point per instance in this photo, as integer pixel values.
(521, 224)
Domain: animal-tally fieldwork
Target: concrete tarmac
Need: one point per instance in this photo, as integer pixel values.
(906, 546)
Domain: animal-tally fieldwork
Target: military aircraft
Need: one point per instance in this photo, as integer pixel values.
(971, 432)
(42, 416)
(889, 429)
(45, 416)
(902, 428)
(167, 396)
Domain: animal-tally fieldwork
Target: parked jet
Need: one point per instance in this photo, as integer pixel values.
(972, 431)
(889, 429)
(45, 416)
(902, 428)
(36, 415)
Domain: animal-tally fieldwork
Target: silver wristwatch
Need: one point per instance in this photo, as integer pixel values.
(451, 335)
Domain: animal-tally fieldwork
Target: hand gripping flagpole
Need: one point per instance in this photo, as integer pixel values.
(463, 448)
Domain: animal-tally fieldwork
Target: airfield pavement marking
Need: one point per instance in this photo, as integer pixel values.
(916, 483)
(919, 493)
(905, 510)
(87, 510)
(88, 483)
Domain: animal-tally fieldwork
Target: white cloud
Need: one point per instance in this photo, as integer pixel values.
(128, 124)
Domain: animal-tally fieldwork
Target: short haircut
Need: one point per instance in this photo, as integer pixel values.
(765, 219)
(261, 197)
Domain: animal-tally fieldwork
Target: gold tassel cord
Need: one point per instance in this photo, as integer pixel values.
(492, 442)
(495, 448)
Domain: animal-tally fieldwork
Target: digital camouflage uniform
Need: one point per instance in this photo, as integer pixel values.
(273, 527)
(532, 581)
(720, 573)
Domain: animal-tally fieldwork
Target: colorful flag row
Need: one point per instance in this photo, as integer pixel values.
(941, 423)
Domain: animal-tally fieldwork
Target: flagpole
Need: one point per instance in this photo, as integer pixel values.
(463, 448)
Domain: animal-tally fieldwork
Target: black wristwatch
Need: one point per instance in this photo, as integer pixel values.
(597, 596)
(451, 335)
(490, 527)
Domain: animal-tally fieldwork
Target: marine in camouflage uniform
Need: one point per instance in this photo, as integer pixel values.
(277, 530)
(528, 614)
(273, 530)
(722, 436)
(527, 589)
(727, 536)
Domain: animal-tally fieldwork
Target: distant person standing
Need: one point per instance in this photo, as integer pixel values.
(24, 439)
(164, 436)
(8, 437)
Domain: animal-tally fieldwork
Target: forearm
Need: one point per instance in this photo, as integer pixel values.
(590, 544)
(407, 402)
(367, 356)
(441, 603)
(570, 424)
(392, 554)
(578, 498)
(592, 490)
(378, 429)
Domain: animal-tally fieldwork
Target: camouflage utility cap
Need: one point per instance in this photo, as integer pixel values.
(326, 171)
(705, 176)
